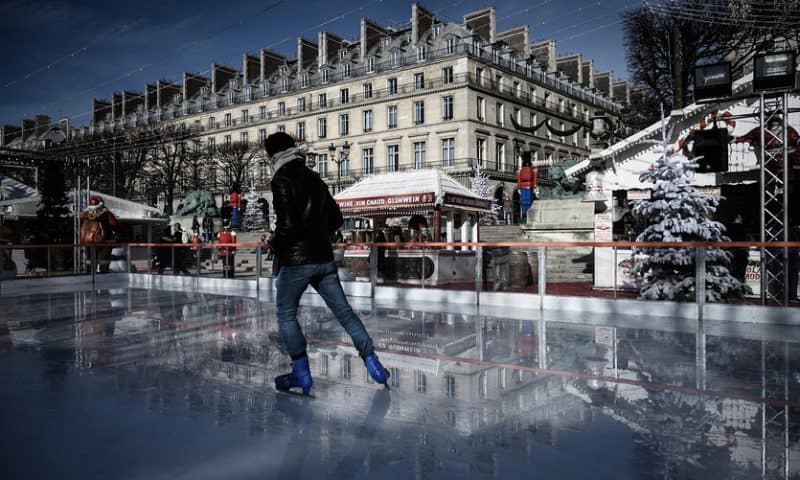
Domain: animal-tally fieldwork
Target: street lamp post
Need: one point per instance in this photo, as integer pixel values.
(344, 156)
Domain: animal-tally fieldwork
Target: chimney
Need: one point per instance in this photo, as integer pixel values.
(571, 66)
(602, 81)
(131, 100)
(63, 124)
(421, 21)
(307, 53)
(165, 91)
(150, 96)
(116, 106)
(251, 69)
(220, 76)
(100, 108)
(621, 91)
(587, 69)
(483, 22)
(9, 133)
(371, 35)
(545, 53)
(192, 83)
(270, 62)
(28, 127)
(517, 40)
(329, 46)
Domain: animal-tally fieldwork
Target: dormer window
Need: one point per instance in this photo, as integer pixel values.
(282, 70)
(232, 97)
(436, 30)
(248, 93)
(385, 42)
(199, 104)
(304, 80)
(323, 75)
(476, 46)
(421, 52)
(346, 70)
(342, 54)
(408, 36)
(394, 59)
(284, 84)
(450, 46)
(370, 64)
(265, 89)
(176, 99)
(214, 101)
(495, 55)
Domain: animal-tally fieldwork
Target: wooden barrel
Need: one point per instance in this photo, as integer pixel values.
(519, 270)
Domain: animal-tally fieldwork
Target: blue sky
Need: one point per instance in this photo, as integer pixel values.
(74, 51)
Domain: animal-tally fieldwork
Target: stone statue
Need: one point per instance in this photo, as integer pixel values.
(198, 203)
(557, 185)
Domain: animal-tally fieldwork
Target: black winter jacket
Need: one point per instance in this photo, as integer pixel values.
(307, 216)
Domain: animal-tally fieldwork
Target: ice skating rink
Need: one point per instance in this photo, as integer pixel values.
(149, 384)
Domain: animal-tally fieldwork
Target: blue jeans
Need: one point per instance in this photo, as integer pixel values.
(292, 282)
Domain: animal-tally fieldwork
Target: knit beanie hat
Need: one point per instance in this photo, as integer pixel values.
(278, 142)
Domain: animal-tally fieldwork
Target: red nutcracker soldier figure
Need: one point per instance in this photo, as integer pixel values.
(236, 205)
(527, 179)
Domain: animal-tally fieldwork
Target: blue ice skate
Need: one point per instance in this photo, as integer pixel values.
(376, 370)
(299, 378)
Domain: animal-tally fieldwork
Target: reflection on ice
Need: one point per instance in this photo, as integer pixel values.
(471, 394)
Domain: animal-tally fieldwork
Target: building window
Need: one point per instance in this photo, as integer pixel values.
(301, 104)
(345, 370)
(449, 386)
(367, 90)
(344, 166)
(370, 64)
(391, 116)
(212, 123)
(393, 157)
(304, 80)
(392, 86)
(368, 161)
(265, 89)
(517, 115)
(499, 156)
(322, 127)
(228, 120)
(517, 90)
(323, 100)
(447, 75)
(344, 125)
(281, 108)
(419, 113)
(421, 51)
(262, 112)
(262, 135)
(245, 116)
(447, 107)
(323, 74)
(420, 381)
(419, 154)
(346, 70)
(232, 97)
(212, 145)
(394, 59)
(499, 114)
(450, 46)
(323, 364)
(448, 152)
(227, 140)
(263, 173)
(367, 121)
(282, 128)
(301, 130)
(482, 384)
(479, 76)
(498, 83)
(322, 161)
(480, 151)
(419, 81)
(284, 84)
(244, 137)
(344, 95)
(481, 107)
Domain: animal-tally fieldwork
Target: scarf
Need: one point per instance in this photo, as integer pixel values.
(285, 156)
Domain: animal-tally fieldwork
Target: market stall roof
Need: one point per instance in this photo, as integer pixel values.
(20, 200)
(401, 193)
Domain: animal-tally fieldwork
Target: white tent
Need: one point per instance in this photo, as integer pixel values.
(20, 200)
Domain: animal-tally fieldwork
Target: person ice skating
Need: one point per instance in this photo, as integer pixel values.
(97, 225)
(307, 219)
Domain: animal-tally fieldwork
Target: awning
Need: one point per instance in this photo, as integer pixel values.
(403, 193)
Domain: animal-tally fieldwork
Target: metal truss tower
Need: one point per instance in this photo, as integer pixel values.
(774, 199)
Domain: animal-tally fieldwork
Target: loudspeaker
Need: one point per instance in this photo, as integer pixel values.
(712, 146)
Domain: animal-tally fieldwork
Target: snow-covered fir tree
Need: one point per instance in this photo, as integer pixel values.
(675, 212)
(253, 217)
(481, 187)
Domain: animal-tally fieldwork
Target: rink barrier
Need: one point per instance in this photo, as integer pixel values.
(87, 256)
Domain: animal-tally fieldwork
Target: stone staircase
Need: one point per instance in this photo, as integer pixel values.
(245, 257)
(568, 264)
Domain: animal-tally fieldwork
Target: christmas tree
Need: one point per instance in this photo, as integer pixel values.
(253, 218)
(675, 212)
(481, 187)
